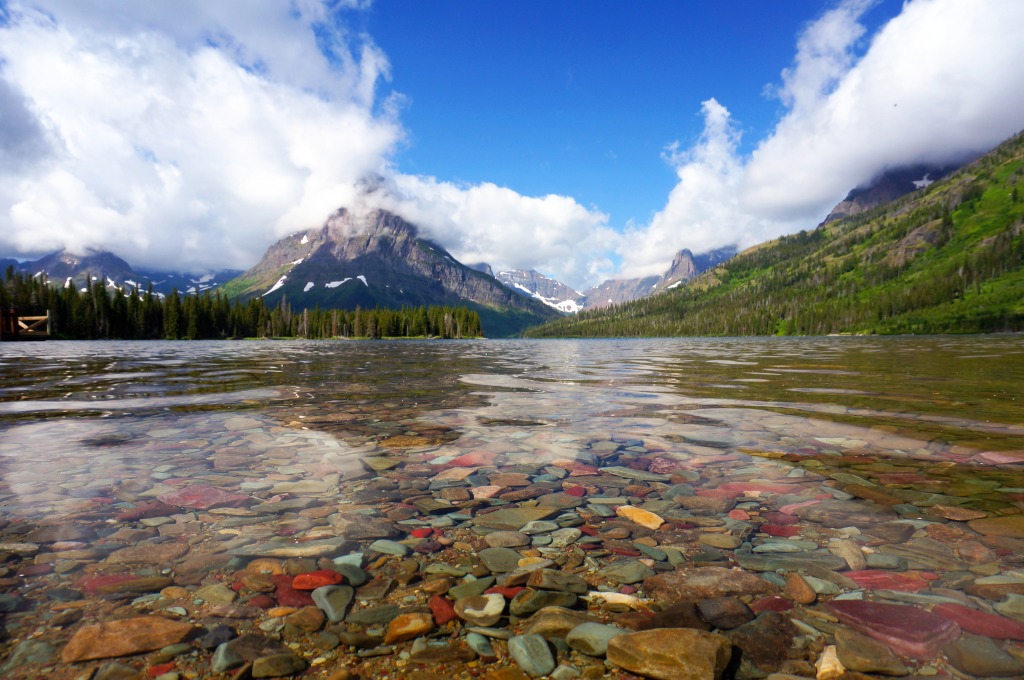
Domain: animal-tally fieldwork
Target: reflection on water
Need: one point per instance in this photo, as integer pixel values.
(81, 420)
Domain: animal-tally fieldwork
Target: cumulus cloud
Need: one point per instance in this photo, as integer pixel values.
(193, 134)
(493, 224)
(935, 84)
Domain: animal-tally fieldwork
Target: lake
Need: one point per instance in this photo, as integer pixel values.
(199, 483)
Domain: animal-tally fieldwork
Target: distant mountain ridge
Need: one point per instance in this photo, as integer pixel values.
(889, 186)
(65, 268)
(685, 266)
(377, 259)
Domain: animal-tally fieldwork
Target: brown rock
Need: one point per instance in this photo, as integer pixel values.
(124, 637)
(408, 626)
(702, 583)
(798, 590)
(1011, 526)
(148, 553)
(955, 513)
(671, 654)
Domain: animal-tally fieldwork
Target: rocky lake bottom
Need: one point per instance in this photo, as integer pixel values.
(718, 508)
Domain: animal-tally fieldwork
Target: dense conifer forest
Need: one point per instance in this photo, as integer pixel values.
(946, 259)
(98, 313)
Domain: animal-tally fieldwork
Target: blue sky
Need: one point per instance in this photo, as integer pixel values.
(586, 140)
(581, 98)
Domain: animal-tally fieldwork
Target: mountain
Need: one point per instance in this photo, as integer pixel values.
(532, 283)
(377, 259)
(888, 186)
(65, 268)
(947, 258)
(685, 265)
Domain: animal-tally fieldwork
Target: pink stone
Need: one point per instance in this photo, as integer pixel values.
(780, 518)
(475, 459)
(486, 491)
(578, 491)
(1000, 457)
(792, 507)
(582, 470)
(739, 515)
(757, 487)
(908, 631)
(202, 497)
(981, 623)
(455, 473)
(874, 579)
(719, 493)
(315, 579)
(288, 596)
(666, 466)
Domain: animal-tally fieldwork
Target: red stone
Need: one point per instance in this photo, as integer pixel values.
(93, 585)
(908, 631)
(981, 623)
(428, 547)
(287, 596)
(262, 601)
(628, 590)
(315, 579)
(739, 515)
(422, 532)
(582, 470)
(203, 497)
(35, 570)
(780, 518)
(159, 669)
(777, 530)
(577, 491)
(508, 592)
(146, 510)
(588, 531)
(906, 581)
(442, 609)
(773, 603)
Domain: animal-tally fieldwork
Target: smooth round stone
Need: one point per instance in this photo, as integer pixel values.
(592, 638)
(333, 601)
(481, 610)
(1011, 526)
(532, 654)
(528, 601)
(539, 526)
(981, 657)
(784, 547)
(627, 572)
(500, 560)
(480, 644)
(883, 561)
(507, 539)
(216, 594)
(722, 541)
(277, 665)
(564, 537)
(860, 653)
(390, 547)
(540, 541)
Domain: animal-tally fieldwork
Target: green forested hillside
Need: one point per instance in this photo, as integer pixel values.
(945, 259)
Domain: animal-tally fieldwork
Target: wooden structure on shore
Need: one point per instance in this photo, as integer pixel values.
(14, 327)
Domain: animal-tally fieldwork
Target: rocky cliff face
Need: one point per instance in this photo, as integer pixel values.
(889, 186)
(617, 291)
(375, 259)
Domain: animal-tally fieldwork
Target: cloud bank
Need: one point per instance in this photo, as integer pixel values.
(937, 83)
(192, 135)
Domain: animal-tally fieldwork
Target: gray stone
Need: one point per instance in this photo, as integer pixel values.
(981, 657)
(529, 600)
(860, 653)
(637, 475)
(553, 579)
(507, 539)
(29, 652)
(387, 547)
(592, 638)
(373, 615)
(275, 665)
(333, 601)
(481, 645)
(471, 588)
(500, 560)
(628, 571)
(225, 658)
(538, 527)
(532, 654)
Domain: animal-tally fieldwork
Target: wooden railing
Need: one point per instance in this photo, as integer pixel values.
(15, 327)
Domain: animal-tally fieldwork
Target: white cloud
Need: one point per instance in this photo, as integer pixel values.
(936, 84)
(167, 149)
(488, 223)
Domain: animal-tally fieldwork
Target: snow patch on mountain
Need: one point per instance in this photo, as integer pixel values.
(309, 285)
(335, 284)
(280, 282)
